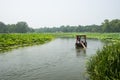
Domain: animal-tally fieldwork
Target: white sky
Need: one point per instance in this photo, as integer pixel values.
(40, 13)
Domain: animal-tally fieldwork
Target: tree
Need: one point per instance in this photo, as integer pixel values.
(11, 28)
(3, 28)
(111, 26)
(22, 27)
(105, 26)
(115, 25)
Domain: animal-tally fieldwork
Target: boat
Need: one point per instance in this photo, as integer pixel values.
(81, 41)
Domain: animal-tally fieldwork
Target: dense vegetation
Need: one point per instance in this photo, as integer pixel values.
(9, 41)
(79, 28)
(106, 26)
(106, 64)
(101, 36)
(22, 27)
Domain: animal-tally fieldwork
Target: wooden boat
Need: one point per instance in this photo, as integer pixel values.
(81, 41)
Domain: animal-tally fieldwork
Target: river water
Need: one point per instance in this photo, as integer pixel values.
(55, 60)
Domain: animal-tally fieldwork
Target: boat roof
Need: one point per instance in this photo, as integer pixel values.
(81, 35)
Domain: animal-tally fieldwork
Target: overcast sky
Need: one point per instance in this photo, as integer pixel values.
(40, 13)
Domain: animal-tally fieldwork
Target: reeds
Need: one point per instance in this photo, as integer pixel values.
(105, 65)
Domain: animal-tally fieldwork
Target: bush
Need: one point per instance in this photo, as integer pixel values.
(105, 65)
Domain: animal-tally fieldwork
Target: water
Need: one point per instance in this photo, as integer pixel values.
(56, 60)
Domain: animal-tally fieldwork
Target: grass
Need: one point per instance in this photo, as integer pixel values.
(102, 36)
(105, 65)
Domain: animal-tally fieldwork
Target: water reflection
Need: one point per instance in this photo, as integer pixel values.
(80, 52)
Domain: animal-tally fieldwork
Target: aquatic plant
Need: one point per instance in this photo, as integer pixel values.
(9, 41)
(105, 65)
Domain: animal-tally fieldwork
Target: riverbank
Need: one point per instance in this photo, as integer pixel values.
(105, 64)
(101, 36)
(11, 41)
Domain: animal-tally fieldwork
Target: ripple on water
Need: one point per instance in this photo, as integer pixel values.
(56, 60)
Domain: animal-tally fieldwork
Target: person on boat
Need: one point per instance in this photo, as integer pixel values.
(78, 39)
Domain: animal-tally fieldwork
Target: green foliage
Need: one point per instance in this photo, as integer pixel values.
(20, 27)
(79, 28)
(3, 27)
(106, 26)
(102, 36)
(106, 64)
(111, 26)
(9, 41)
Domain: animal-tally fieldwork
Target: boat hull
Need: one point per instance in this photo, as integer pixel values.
(79, 45)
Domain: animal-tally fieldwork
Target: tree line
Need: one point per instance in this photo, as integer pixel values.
(22, 27)
(79, 28)
(106, 26)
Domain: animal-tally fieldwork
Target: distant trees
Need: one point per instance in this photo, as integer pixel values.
(11, 28)
(3, 27)
(79, 28)
(106, 26)
(111, 26)
(20, 27)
